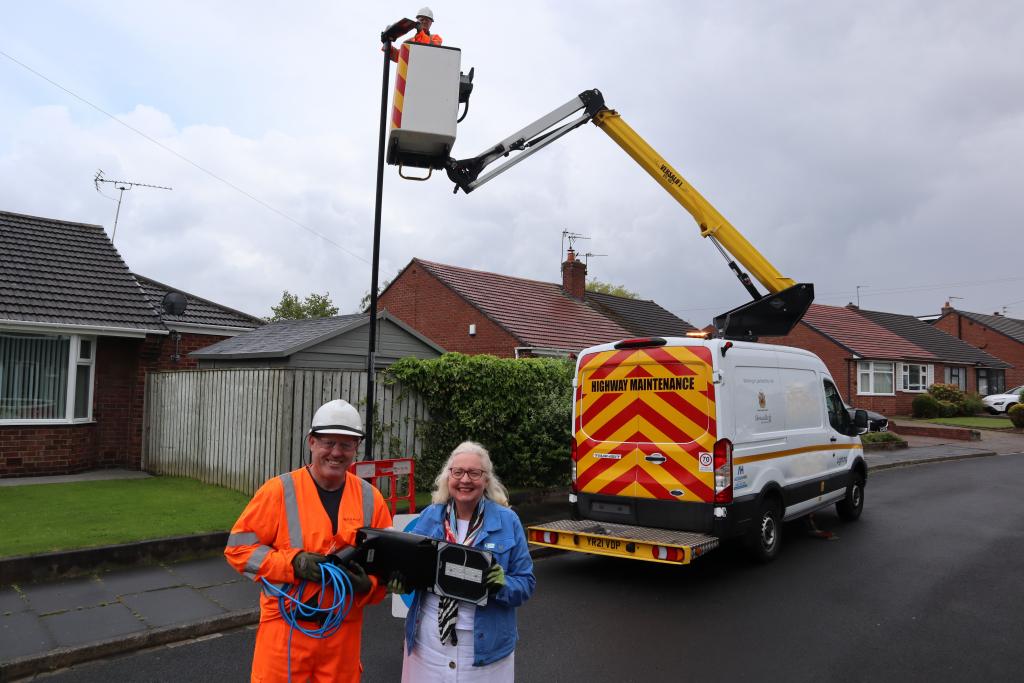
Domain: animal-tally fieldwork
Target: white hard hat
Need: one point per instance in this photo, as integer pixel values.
(425, 12)
(337, 417)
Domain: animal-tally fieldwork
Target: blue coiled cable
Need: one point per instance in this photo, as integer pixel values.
(293, 610)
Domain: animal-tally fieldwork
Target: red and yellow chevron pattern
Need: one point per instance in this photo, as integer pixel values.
(399, 99)
(643, 417)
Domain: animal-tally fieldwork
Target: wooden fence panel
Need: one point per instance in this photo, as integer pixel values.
(237, 428)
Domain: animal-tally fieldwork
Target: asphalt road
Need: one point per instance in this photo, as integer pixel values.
(925, 586)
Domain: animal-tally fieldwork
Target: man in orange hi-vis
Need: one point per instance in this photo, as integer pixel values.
(284, 534)
(423, 35)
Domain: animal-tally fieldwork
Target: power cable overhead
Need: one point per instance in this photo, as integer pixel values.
(164, 147)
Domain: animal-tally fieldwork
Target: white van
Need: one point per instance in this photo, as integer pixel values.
(680, 443)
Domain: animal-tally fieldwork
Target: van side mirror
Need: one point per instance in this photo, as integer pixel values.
(860, 420)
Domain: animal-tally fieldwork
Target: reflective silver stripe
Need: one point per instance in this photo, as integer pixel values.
(367, 502)
(291, 511)
(242, 538)
(255, 560)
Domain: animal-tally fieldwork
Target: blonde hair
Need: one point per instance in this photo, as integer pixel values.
(493, 488)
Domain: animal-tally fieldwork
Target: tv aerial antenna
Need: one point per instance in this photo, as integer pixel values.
(121, 185)
(586, 257)
(572, 237)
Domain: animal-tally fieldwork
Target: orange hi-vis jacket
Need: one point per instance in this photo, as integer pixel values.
(420, 37)
(284, 517)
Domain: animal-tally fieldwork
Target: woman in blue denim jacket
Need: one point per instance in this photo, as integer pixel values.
(451, 640)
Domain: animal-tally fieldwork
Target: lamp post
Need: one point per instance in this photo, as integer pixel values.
(387, 37)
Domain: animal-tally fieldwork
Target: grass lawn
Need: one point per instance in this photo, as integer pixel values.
(42, 518)
(976, 421)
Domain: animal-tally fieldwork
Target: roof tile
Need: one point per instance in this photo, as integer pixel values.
(65, 273)
(862, 336)
(538, 314)
(946, 347)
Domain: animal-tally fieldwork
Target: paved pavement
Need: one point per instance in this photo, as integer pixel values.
(51, 625)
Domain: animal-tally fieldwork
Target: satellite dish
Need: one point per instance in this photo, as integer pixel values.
(174, 303)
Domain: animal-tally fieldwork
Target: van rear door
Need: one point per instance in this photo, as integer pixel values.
(645, 423)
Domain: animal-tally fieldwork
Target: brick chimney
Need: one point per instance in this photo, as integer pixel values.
(574, 276)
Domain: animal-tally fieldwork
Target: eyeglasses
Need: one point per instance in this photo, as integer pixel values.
(460, 472)
(330, 444)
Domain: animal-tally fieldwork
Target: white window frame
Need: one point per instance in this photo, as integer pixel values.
(76, 345)
(926, 373)
(870, 366)
(74, 360)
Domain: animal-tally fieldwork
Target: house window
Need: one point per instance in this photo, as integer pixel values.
(874, 377)
(991, 381)
(45, 377)
(915, 377)
(957, 376)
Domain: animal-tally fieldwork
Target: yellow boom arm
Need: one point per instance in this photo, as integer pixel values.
(773, 314)
(711, 222)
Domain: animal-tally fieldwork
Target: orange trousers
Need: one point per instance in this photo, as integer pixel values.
(330, 660)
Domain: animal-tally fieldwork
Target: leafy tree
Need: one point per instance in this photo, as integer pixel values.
(608, 288)
(313, 306)
(364, 303)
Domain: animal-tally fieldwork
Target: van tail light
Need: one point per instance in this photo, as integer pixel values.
(660, 552)
(723, 471)
(548, 537)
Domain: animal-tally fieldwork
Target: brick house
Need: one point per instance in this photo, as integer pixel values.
(881, 361)
(78, 333)
(475, 312)
(995, 334)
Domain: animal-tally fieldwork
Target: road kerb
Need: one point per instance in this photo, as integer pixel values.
(69, 656)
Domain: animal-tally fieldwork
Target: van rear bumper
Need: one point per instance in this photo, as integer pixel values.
(667, 514)
(622, 540)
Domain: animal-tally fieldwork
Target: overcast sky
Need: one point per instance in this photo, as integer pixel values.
(876, 144)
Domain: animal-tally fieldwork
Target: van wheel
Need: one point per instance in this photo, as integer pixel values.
(764, 537)
(849, 508)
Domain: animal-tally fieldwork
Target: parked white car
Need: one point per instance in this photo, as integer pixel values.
(1001, 403)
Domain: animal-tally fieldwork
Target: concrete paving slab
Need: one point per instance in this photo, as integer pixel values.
(23, 634)
(129, 581)
(81, 626)
(233, 596)
(94, 475)
(172, 606)
(11, 601)
(45, 598)
(210, 571)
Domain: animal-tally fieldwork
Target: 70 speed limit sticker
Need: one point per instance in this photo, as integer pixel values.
(706, 461)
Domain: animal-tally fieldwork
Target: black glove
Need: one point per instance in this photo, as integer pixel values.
(396, 583)
(307, 565)
(357, 575)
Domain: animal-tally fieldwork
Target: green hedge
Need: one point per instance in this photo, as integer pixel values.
(925, 406)
(1016, 415)
(520, 410)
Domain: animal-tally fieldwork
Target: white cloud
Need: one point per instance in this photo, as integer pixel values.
(871, 144)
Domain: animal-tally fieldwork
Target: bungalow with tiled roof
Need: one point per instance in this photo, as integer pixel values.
(78, 333)
(475, 312)
(997, 335)
(881, 361)
(963, 365)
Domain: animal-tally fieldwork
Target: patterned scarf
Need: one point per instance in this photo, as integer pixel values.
(448, 608)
